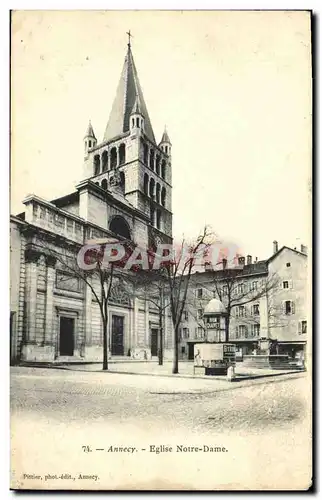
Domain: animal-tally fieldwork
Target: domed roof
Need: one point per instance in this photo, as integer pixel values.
(215, 306)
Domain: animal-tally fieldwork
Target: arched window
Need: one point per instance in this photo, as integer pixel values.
(158, 221)
(122, 154)
(157, 192)
(145, 154)
(133, 122)
(104, 161)
(163, 195)
(151, 189)
(122, 181)
(152, 159)
(163, 165)
(166, 149)
(152, 216)
(119, 226)
(97, 164)
(89, 144)
(146, 184)
(138, 122)
(113, 158)
(104, 184)
(157, 164)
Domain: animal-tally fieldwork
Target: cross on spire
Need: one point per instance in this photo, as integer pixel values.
(130, 36)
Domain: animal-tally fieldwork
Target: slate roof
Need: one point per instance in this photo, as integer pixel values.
(90, 131)
(128, 88)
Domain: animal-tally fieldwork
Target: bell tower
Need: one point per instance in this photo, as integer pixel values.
(90, 140)
(129, 147)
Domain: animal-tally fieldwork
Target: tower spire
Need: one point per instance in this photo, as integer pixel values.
(128, 95)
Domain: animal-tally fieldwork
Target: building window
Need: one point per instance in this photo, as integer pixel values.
(158, 219)
(285, 284)
(255, 329)
(199, 332)
(146, 184)
(152, 159)
(237, 332)
(65, 281)
(241, 288)
(199, 293)
(122, 154)
(185, 333)
(163, 195)
(185, 315)
(241, 311)
(183, 349)
(89, 144)
(200, 313)
(303, 327)
(163, 164)
(254, 285)
(289, 307)
(255, 309)
(97, 164)
(288, 264)
(243, 331)
(157, 192)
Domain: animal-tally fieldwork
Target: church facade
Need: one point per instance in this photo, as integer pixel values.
(125, 193)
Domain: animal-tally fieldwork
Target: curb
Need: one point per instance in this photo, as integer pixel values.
(222, 378)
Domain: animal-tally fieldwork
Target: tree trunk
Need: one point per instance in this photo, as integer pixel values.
(161, 312)
(105, 345)
(175, 366)
(227, 320)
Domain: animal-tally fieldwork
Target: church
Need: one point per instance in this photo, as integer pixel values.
(125, 193)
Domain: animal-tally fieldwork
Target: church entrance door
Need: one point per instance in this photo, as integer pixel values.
(66, 336)
(154, 341)
(117, 347)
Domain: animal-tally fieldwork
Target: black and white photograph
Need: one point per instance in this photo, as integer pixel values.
(161, 250)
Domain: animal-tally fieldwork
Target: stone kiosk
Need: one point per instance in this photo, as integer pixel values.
(214, 356)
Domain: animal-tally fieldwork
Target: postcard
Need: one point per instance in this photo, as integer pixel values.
(160, 250)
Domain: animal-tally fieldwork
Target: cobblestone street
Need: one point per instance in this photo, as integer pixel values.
(56, 412)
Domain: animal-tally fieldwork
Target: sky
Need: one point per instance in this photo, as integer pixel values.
(233, 89)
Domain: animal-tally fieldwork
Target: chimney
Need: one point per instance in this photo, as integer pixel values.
(208, 266)
(249, 259)
(241, 261)
(275, 246)
(304, 249)
(224, 263)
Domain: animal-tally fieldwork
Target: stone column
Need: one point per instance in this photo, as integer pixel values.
(147, 324)
(88, 315)
(51, 275)
(135, 323)
(31, 258)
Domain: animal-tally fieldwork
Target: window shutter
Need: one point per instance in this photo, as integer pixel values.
(299, 327)
(283, 309)
(292, 307)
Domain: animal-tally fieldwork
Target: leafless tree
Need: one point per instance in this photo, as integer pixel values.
(178, 278)
(152, 287)
(99, 279)
(234, 289)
